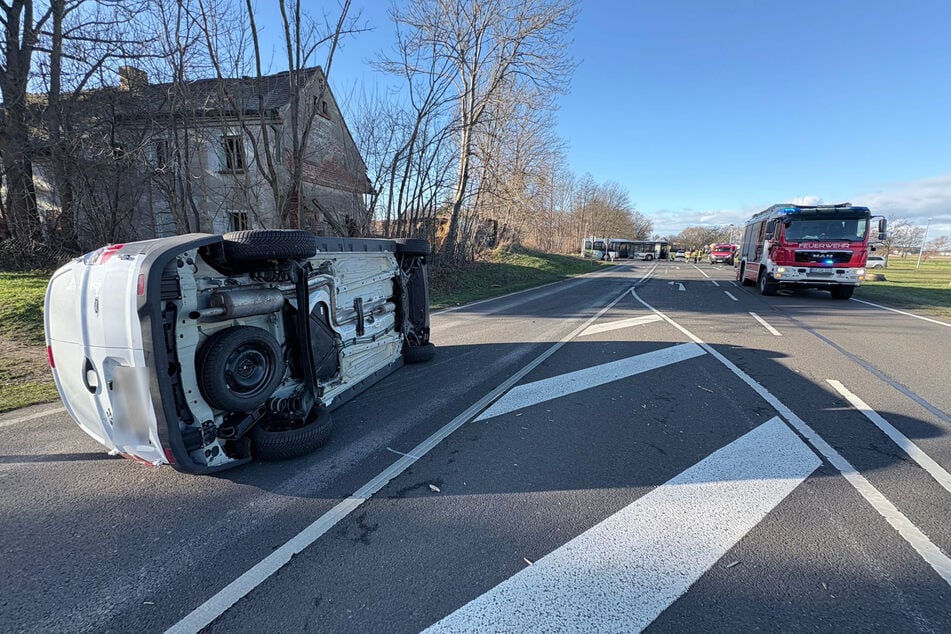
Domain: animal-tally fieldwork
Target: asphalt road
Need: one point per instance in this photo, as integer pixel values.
(643, 447)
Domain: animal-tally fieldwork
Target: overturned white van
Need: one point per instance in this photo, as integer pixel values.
(203, 351)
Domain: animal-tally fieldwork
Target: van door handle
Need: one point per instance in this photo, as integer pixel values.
(90, 370)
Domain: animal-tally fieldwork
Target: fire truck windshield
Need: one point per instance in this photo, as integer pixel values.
(827, 229)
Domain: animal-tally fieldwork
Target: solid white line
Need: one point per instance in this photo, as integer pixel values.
(624, 323)
(731, 296)
(925, 548)
(914, 452)
(901, 312)
(215, 606)
(619, 575)
(34, 416)
(702, 272)
(765, 325)
(557, 386)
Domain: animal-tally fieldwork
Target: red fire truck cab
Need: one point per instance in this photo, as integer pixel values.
(815, 246)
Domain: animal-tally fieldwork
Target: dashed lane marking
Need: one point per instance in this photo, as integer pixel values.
(731, 296)
(765, 325)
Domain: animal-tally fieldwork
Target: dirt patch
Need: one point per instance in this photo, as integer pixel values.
(21, 363)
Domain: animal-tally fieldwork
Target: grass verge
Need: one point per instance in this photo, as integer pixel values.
(500, 273)
(926, 289)
(24, 371)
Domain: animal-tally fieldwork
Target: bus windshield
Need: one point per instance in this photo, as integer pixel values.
(827, 229)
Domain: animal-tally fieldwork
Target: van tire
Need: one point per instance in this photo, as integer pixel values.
(284, 444)
(419, 354)
(257, 245)
(239, 368)
(413, 246)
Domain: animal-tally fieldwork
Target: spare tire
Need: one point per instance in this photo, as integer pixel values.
(239, 368)
(274, 441)
(413, 246)
(268, 244)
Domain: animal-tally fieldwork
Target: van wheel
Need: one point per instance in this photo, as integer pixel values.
(765, 286)
(842, 291)
(419, 354)
(273, 441)
(268, 244)
(239, 368)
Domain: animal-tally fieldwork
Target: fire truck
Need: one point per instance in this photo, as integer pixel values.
(807, 246)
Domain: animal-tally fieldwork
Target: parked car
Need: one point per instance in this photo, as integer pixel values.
(645, 256)
(203, 351)
(680, 255)
(876, 262)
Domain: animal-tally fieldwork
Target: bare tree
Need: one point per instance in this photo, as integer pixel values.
(490, 44)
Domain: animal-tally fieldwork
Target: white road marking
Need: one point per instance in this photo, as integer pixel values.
(617, 325)
(702, 272)
(215, 606)
(715, 283)
(619, 575)
(731, 296)
(34, 416)
(925, 548)
(557, 386)
(678, 284)
(765, 325)
(901, 312)
(914, 452)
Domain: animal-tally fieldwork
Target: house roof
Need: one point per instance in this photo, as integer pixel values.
(245, 95)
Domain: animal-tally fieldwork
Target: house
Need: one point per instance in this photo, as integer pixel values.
(210, 155)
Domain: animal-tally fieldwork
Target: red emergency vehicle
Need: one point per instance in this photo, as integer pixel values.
(815, 246)
(722, 253)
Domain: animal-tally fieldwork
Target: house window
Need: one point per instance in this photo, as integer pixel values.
(240, 220)
(234, 153)
(161, 153)
(322, 108)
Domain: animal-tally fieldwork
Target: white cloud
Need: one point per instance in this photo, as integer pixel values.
(914, 201)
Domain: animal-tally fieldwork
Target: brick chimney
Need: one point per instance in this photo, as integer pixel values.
(132, 78)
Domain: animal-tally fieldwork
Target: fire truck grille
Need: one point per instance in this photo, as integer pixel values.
(826, 257)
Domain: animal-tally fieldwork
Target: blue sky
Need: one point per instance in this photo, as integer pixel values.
(707, 111)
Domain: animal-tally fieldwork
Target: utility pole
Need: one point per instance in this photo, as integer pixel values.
(924, 238)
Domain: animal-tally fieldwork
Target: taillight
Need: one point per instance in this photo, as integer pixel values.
(49, 356)
(108, 252)
(140, 285)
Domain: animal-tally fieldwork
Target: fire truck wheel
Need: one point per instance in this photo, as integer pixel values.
(842, 292)
(268, 244)
(238, 368)
(270, 442)
(766, 287)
